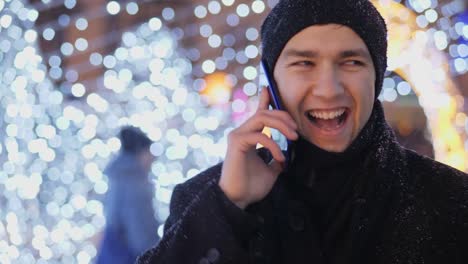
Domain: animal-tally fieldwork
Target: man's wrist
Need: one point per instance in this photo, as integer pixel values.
(238, 202)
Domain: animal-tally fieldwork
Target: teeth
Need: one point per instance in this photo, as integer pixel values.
(327, 114)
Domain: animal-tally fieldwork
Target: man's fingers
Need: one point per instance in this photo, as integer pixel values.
(273, 119)
(279, 115)
(264, 100)
(254, 138)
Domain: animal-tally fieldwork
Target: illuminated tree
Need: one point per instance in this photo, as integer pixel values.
(54, 150)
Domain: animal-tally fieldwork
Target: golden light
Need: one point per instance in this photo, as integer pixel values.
(420, 63)
(217, 89)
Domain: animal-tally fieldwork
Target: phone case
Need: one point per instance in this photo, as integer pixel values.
(275, 101)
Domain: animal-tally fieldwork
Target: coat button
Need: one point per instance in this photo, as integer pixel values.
(204, 261)
(360, 200)
(258, 257)
(258, 253)
(296, 222)
(213, 255)
(260, 219)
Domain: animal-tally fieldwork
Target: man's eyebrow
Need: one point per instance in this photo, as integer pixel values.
(300, 53)
(355, 53)
(313, 54)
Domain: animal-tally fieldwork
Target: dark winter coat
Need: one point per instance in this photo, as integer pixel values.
(391, 206)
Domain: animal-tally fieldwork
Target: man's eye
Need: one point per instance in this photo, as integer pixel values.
(354, 63)
(303, 63)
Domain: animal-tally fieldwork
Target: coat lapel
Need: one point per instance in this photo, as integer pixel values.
(375, 195)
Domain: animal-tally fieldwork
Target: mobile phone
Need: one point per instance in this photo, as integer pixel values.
(275, 101)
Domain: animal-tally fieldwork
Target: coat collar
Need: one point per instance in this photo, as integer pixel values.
(383, 166)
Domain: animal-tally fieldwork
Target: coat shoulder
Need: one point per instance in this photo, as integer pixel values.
(442, 189)
(428, 219)
(431, 171)
(204, 178)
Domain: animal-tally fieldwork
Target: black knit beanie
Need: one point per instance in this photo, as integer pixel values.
(289, 17)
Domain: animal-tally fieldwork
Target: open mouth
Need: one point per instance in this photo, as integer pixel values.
(328, 120)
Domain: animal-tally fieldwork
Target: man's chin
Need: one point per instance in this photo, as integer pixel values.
(335, 147)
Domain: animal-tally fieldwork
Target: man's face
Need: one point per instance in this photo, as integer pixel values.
(326, 80)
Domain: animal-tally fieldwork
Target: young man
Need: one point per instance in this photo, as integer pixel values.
(351, 193)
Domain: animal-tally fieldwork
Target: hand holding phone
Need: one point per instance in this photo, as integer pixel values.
(275, 101)
(245, 177)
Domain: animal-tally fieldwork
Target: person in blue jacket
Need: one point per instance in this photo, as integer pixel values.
(131, 226)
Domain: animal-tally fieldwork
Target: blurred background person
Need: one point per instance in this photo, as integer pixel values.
(131, 226)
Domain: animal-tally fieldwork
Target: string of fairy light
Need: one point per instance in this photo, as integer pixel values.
(53, 151)
(416, 55)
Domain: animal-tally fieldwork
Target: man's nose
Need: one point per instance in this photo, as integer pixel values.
(328, 83)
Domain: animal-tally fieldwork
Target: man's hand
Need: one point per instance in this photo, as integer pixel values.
(245, 177)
